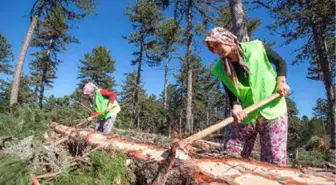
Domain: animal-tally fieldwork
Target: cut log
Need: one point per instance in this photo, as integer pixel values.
(147, 158)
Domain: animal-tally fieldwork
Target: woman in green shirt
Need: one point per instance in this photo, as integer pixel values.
(105, 107)
(245, 70)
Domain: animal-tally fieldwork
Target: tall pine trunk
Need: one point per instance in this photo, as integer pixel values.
(42, 83)
(165, 84)
(138, 78)
(36, 92)
(240, 30)
(189, 67)
(324, 63)
(16, 79)
(45, 69)
(238, 20)
(165, 96)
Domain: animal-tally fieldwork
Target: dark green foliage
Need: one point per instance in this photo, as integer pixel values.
(26, 120)
(14, 171)
(144, 15)
(311, 158)
(168, 33)
(294, 21)
(75, 178)
(214, 96)
(204, 13)
(321, 109)
(311, 21)
(51, 36)
(174, 102)
(66, 110)
(127, 101)
(25, 95)
(108, 168)
(207, 100)
(104, 169)
(189, 11)
(73, 9)
(314, 142)
(151, 115)
(6, 56)
(98, 68)
(224, 20)
(298, 130)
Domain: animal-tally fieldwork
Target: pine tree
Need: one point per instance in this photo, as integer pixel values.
(189, 11)
(25, 95)
(98, 68)
(151, 115)
(144, 16)
(228, 19)
(73, 9)
(198, 101)
(168, 33)
(43, 73)
(312, 20)
(6, 56)
(174, 106)
(214, 97)
(321, 109)
(129, 87)
(224, 20)
(51, 36)
(295, 127)
(238, 18)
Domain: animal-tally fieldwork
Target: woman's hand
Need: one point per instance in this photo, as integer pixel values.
(238, 113)
(282, 88)
(109, 107)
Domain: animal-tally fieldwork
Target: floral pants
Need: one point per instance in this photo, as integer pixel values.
(105, 126)
(239, 139)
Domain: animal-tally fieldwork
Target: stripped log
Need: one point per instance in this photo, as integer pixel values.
(213, 128)
(194, 169)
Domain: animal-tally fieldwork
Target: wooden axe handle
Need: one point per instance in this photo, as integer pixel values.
(82, 123)
(201, 134)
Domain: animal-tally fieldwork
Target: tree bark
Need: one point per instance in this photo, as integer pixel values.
(238, 20)
(145, 159)
(17, 75)
(165, 84)
(240, 30)
(138, 78)
(42, 83)
(324, 64)
(189, 67)
(36, 92)
(320, 45)
(331, 100)
(46, 67)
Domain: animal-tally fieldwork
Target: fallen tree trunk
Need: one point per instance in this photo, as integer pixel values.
(194, 169)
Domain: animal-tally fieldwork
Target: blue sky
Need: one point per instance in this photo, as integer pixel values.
(107, 29)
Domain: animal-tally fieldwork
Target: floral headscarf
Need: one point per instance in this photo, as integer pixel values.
(224, 36)
(89, 88)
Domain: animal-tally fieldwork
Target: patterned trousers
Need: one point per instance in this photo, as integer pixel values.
(239, 139)
(105, 126)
